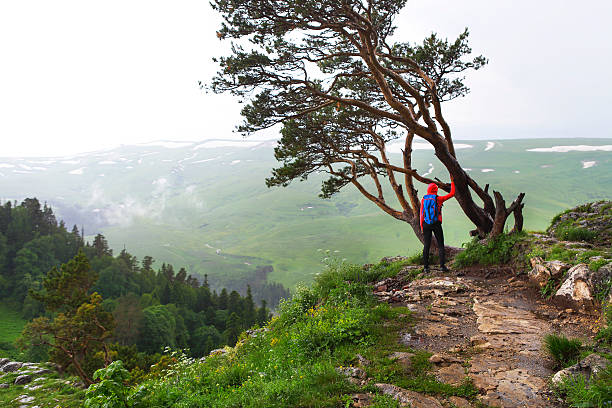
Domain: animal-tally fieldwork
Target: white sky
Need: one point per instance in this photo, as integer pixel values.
(80, 75)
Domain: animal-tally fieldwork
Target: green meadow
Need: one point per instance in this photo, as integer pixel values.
(11, 324)
(208, 209)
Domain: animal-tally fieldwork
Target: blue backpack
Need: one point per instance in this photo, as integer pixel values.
(431, 209)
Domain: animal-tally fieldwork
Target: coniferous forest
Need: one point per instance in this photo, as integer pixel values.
(118, 307)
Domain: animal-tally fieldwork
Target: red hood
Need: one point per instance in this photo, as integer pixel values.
(432, 189)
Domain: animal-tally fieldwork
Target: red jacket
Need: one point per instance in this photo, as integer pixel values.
(433, 189)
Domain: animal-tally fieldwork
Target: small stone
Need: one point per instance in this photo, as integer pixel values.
(381, 288)
(11, 367)
(459, 402)
(24, 399)
(403, 358)
(352, 372)
(4, 385)
(362, 400)
(362, 360)
(23, 379)
(454, 374)
(441, 359)
(408, 397)
(4, 361)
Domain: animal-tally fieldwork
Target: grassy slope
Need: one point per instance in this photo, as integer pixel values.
(229, 208)
(294, 362)
(11, 325)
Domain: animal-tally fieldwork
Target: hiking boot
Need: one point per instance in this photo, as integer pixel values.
(444, 269)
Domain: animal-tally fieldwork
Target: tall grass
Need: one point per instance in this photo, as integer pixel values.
(498, 250)
(564, 351)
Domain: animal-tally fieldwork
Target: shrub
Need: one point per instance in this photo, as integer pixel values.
(497, 250)
(564, 351)
(110, 391)
(292, 310)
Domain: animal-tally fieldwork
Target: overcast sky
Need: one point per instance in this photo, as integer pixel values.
(82, 75)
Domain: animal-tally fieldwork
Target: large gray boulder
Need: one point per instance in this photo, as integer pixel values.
(591, 365)
(577, 284)
(583, 284)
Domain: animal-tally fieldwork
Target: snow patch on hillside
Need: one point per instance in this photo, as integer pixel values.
(431, 169)
(487, 170)
(399, 146)
(234, 162)
(576, 148)
(70, 161)
(206, 160)
(45, 162)
(107, 162)
(6, 166)
(587, 164)
(77, 171)
(490, 145)
(211, 144)
(167, 144)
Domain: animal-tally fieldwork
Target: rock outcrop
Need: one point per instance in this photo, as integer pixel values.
(588, 367)
(594, 217)
(407, 397)
(582, 283)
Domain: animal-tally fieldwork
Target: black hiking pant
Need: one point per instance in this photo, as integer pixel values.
(436, 228)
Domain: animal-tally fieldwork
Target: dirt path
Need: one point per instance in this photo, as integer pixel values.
(490, 330)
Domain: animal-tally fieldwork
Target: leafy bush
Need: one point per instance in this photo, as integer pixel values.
(497, 250)
(291, 310)
(595, 393)
(110, 391)
(329, 326)
(564, 351)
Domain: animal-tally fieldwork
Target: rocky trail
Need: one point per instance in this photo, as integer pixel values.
(489, 330)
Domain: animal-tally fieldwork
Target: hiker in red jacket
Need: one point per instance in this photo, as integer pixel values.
(431, 221)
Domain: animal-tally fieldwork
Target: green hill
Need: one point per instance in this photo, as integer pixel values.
(205, 206)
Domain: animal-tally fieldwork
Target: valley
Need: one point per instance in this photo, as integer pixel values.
(205, 205)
